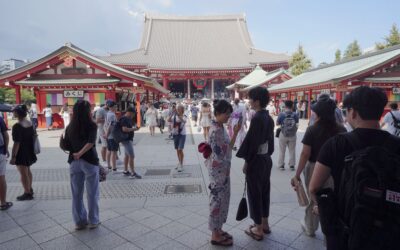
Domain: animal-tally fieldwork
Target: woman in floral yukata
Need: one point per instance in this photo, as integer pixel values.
(219, 165)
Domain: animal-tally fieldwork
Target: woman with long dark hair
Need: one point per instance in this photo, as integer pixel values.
(80, 140)
(316, 135)
(23, 155)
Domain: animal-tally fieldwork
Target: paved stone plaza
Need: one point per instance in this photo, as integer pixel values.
(144, 214)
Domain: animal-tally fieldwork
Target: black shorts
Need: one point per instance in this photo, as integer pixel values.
(112, 145)
(194, 118)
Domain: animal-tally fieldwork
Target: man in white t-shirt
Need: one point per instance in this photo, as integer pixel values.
(392, 120)
(101, 115)
(271, 108)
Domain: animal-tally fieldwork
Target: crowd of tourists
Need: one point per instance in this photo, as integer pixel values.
(350, 165)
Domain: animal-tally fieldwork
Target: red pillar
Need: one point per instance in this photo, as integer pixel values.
(18, 94)
(110, 95)
(339, 96)
(138, 115)
(165, 82)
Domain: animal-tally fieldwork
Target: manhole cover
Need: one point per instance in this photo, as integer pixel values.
(184, 175)
(179, 189)
(151, 172)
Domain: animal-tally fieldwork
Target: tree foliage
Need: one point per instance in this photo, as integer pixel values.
(338, 55)
(7, 95)
(392, 39)
(299, 62)
(352, 50)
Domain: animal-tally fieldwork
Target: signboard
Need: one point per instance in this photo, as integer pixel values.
(325, 91)
(138, 89)
(300, 93)
(396, 91)
(283, 95)
(342, 88)
(73, 93)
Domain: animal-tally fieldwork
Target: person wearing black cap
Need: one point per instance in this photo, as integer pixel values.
(23, 155)
(316, 135)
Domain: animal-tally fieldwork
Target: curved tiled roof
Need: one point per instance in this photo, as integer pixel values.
(197, 42)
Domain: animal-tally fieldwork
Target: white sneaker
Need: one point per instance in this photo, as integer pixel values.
(177, 166)
(180, 168)
(306, 232)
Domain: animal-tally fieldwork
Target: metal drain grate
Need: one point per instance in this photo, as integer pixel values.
(182, 175)
(152, 172)
(179, 189)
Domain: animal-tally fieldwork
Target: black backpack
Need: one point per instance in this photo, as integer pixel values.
(369, 196)
(117, 133)
(396, 124)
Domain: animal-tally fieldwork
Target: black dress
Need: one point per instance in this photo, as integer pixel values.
(26, 155)
(259, 165)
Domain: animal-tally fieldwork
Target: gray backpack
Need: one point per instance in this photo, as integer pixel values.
(289, 127)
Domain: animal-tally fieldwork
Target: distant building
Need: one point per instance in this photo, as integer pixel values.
(10, 64)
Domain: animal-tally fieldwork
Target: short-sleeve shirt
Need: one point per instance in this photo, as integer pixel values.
(334, 151)
(388, 119)
(47, 112)
(178, 125)
(3, 129)
(194, 110)
(282, 116)
(127, 122)
(77, 142)
(110, 121)
(316, 136)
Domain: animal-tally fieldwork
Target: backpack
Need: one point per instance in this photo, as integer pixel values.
(369, 196)
(117, 133)
(289, 127)
(396, 124)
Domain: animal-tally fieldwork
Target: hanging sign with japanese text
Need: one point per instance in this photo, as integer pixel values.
(396, 90)
(73, 93)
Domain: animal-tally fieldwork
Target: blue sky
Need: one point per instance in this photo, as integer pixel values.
(32, 29)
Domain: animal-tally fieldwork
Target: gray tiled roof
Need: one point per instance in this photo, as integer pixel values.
(336, 72)
(202, 42)
(66, 81)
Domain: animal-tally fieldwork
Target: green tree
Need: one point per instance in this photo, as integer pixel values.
(338, 55)
(352, 50)
(7, 95)
(299, 62)
(391, 40)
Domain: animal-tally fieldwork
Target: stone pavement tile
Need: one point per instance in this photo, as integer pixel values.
(155, 221)
(30, 218)
(39, 225)
(140, 215)
(194, 208)
(282, 235)
(240, 239)
(172, 213)
(125, 210)
(14, 213)
(193, 220)
(275, 218)
(4, 216)
(151, 240)
(52, 204)
(106, 242)
(290, 224)
(54, 212)
(133, 232)
(280, 210)
(266, 244)
(172, 244)
(209, 246)
(8, 225)
(174, 229)
(11, 234)
(297, 213)
(22, 243)
(65, 242)
(194, 239)
(204, 228)
(90, 234)
(204, 212)
(117, 223)
(49, 234)
(63, 218)
(107, 215)
(304, 242)
(127, 246)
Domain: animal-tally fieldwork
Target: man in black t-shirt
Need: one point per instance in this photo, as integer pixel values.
(364, 107)
(127, 127)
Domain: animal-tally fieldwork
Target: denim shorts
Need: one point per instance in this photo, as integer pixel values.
(179, 141)
(112, 145)
(128, 147)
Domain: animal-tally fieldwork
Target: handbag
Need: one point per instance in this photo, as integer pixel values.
(242, 211)
(205, 149)
(301, 193)
(36, 143)
(102, 174)
(278, 132)
(63, 143)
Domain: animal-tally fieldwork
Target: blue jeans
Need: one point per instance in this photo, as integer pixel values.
(81, 171)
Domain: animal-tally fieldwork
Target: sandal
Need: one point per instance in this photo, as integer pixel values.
(226, 235)
(253, 235)
(267, 231)
(6, 206)
(225, 242)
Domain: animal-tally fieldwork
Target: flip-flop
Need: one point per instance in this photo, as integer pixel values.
(6, 206)
(225, 242)
(227, 235)
(253, 235)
